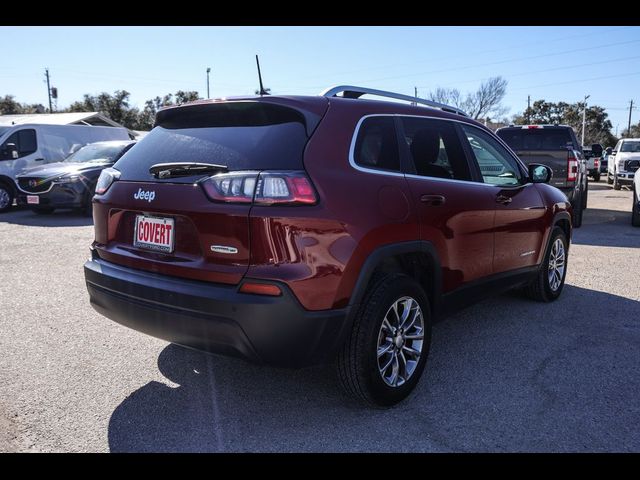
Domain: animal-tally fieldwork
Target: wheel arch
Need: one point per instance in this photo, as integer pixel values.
(10, 183)
(418, 259)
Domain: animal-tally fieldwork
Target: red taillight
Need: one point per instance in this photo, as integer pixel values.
(572, 168)
(261, 188)
(531, 126)
(596, 163)
(261, 289)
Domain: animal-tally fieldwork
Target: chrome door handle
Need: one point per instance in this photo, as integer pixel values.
(433, 200)
(503, 199)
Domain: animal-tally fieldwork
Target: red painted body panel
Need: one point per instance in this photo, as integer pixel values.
(200, 223)
(461, 229)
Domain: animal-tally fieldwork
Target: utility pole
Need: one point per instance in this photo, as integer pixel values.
(584, 116)
(208, 70)
(415, 94)
(528, 108)
(46, 72)
(629, 125)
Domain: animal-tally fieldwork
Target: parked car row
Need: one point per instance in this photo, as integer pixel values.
(31, 147)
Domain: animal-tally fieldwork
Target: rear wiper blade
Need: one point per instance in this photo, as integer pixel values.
(183, 169)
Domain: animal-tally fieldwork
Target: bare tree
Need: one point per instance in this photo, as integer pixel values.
(479, 104)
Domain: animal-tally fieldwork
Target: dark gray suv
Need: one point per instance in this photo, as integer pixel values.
(557, 147)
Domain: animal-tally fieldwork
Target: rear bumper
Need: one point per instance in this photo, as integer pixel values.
(69, 195)
(215, 318)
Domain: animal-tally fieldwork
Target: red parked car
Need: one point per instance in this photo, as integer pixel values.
(298, 230)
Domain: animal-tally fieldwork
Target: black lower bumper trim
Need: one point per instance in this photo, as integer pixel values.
(215, 318)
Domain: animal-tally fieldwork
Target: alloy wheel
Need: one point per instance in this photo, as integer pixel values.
(400, 341)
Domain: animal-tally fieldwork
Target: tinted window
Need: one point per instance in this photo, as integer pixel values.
(435, 149)
(243, 136)
(377, 145)
(496, 164)
(24, 140)
(537, 138)
(27, 142)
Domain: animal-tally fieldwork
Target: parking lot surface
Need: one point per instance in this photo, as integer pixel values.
(506, 374)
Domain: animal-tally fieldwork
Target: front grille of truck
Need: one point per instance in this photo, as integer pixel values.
(631, 165)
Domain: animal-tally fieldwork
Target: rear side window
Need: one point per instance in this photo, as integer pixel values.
(537, 138)
(240, 136)
(376, 145)
(435, 148)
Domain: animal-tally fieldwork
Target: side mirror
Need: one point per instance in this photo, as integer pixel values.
(539, 173)
(608, 150)
(613, 152)
(12, 150)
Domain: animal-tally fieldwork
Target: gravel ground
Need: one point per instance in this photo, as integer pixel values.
(504, 375)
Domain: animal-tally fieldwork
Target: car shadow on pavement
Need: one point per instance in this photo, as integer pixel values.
(540, 378)
(59, 218)
(607, 228)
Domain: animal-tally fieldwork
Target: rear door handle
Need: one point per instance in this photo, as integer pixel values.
(433, 200)
(503, 199)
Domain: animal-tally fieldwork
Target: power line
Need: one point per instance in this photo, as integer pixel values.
(578, 81)
(473, 54)
(554, 69)
(517, 59)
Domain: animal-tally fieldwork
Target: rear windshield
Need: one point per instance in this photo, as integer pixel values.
(240, 136)
(537, 139)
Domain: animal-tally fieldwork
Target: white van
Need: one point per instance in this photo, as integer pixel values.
(30, 145)
(624, 161)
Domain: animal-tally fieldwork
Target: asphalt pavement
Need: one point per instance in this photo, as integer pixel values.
(507, 374)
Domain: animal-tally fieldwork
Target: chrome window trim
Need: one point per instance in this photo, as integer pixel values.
(389, 173)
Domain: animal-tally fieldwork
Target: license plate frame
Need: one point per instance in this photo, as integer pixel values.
(33, 200)
(147, 242)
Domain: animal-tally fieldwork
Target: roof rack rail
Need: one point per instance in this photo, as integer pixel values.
(351, 91)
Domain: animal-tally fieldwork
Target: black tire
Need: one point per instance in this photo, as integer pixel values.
(596, 177)
(609, 179)
(577, 212)
(585, 196)
(616, 183)
(357, 362)
(43, 210)
(540, 289)
(6, 197)
(635, 211)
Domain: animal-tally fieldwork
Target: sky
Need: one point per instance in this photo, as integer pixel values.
(554, 63)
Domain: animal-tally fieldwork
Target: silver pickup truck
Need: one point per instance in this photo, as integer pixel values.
(557, 147)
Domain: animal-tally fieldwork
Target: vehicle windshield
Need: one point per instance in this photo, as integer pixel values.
(3, 130)
(99, 153)
(630, 147)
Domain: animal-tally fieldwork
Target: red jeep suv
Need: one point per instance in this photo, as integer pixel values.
(296, 230)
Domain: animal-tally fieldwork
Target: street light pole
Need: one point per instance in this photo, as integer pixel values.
(208, 70)
(584, 116)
